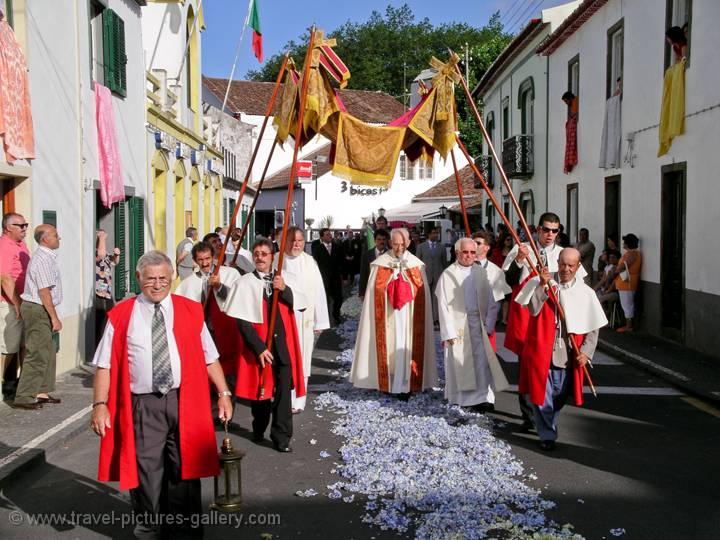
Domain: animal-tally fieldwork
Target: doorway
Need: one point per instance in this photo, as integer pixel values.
(612, 210)
(672, 251)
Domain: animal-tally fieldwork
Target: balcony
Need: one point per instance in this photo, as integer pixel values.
(160, 93)
(517, 156)
(485, 166)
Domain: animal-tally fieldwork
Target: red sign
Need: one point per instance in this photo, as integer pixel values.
(304, 169)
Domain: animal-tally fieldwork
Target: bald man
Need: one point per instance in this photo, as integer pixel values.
(551, 370)
(43, 291)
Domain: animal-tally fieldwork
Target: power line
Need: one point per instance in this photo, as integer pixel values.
(509, 12)
(511, 22)
(528, 12)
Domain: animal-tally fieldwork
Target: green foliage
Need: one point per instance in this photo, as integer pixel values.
(387, 52)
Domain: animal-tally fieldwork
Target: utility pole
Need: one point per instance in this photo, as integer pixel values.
(467, 62)
(405, 89)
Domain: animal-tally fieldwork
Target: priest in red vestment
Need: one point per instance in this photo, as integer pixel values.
(152, 400)
(250, 302)
(550, 370)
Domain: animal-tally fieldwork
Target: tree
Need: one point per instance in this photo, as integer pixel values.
(387, 52)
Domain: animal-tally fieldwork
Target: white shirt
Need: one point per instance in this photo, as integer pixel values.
(139, 340)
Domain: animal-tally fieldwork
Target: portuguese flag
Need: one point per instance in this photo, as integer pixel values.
(254, 23)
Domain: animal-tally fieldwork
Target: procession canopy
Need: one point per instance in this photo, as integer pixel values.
(366, 153)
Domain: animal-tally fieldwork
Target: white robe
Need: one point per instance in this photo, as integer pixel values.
(472, 371)
(399, 335)
(192, 286)
(244, 259)
(500, 289)
(303, 276)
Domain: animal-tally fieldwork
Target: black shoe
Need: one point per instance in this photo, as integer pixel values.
(258, 437)
(483, 408)
(284, 448)
(547, 446)
(527, 426)
(403, 396)
(27, 406)
(49, 399)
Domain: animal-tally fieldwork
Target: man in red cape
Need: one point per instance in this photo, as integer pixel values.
(152, 399)
(196, 287)
(517, 267)
(550, 370)
(250, 301)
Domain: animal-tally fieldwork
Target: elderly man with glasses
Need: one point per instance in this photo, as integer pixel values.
(518, 266)
(472, 371)
(14, 259)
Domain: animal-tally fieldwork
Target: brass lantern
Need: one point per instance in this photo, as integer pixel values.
(228, 485)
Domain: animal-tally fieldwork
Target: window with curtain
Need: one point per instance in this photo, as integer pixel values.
(614, 58)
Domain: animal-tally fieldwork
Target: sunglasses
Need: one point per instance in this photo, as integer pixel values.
(468, 252)
(549, 230)
(21, 225)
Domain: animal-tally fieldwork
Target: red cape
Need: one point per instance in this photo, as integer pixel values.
(517, 322)
(226, 336)
(198, 448)
(248, 367)
(537, 356)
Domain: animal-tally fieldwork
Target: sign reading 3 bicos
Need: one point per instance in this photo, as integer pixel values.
(346, 187)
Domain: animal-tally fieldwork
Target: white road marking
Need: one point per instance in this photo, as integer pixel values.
(45, 436)
(626, 390)
(645, 361)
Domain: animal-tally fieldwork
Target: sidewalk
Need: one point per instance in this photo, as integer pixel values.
(26, 436)
(695, 373)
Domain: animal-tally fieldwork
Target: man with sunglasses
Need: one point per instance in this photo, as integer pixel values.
(496, 277)
(250, 302)
(14, 259)
(472, 372)
(517, 267)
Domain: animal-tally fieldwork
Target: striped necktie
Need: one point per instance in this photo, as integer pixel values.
(162, 372)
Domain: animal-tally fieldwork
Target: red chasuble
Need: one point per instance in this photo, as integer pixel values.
(226, 336)
(537, 356)
(248, 366)
(198, 447)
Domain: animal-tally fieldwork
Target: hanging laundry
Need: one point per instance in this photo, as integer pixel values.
(16, 128)
(112, 189)
(672, 108)
(571, 153)
(611, 134)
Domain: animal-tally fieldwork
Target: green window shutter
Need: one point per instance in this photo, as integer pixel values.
(137, 238)
(120, 277)
(114, 52)
(251, 231)
(244, 217)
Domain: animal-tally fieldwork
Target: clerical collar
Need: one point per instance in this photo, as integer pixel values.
(482, 262)
(567, 285)
(260, 274)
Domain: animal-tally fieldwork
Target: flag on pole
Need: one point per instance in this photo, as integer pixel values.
(254, 23)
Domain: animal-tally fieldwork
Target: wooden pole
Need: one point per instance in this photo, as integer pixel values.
(254, 202)
(288, 202)
(462, 198)
(268, 112)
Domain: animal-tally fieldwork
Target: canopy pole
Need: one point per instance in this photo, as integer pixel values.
(462, 197)
(288, 202)
(254, 202)
(268, 112)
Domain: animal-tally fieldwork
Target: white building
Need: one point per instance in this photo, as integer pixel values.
(67, 45)
(514, 93)
(669, 202)
(329, 196)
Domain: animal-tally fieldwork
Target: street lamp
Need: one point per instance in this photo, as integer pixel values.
(381, 212)
(443, 211)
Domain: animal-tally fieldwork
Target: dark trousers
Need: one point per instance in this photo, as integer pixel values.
(281, 429)
(161, 492)
(526, 407)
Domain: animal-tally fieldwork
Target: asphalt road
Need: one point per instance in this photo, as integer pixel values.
(641, 457)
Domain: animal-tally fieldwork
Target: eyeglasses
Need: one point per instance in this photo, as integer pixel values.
(156, 281)
(262, 254)
(468, 252)
(549, 230)
(21, 225)
(481, 244)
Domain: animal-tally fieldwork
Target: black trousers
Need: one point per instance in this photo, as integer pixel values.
(161, 492)
(279, 407)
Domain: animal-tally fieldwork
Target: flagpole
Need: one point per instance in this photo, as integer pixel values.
(288, 202)
(237, 54)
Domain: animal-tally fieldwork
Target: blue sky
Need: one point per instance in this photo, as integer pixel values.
(282, 20)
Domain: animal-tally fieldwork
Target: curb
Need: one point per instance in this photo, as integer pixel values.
(34, 456)
(673, 377)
